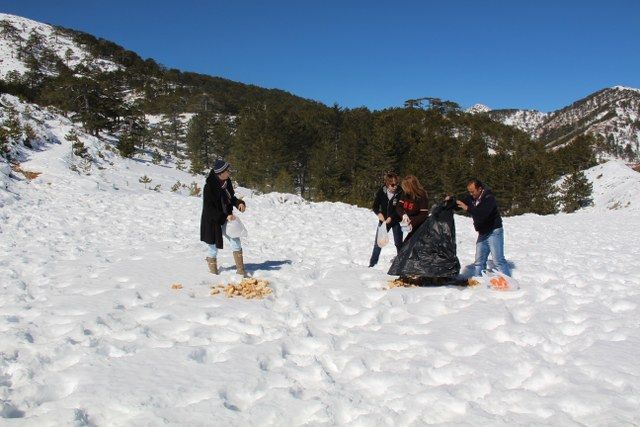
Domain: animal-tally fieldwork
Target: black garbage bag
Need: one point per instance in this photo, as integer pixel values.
(431, 252)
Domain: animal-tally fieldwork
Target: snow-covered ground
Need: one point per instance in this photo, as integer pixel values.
(91, 332)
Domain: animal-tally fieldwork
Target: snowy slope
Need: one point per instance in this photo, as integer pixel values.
(91, 332)
(615, 186)
(16, 31)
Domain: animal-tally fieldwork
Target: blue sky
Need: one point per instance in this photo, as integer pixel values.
(506, 54)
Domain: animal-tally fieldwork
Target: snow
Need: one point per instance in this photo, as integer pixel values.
(91, 332)
(525, 120)
(626, 88)
(615, 186)
(478, 108)
(54, 40)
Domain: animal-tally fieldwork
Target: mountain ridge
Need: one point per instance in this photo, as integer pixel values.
(610, 114)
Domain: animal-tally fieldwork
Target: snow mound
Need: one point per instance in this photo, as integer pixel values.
(615, 186)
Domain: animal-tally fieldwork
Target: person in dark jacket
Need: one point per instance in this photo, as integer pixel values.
(483, 208)
(413, 207)
(384, 206)
(217, 209)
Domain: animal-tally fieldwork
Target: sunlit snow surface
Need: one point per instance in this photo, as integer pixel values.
(91, 332)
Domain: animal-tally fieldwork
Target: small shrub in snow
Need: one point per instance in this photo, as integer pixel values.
(127, 145)
(157, 188)
(175, 187)
(12, 125)
(144, 180)
(30, 135)
(4, 143)
(194, 190)
(80, 150)
(156, 157)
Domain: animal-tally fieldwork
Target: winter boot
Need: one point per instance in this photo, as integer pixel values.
(213, 265)
(237, 256)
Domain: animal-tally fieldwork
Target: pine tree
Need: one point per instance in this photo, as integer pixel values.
(576, 192)
(208, 138)
(5, 148)
(127, 144)
(283, 182)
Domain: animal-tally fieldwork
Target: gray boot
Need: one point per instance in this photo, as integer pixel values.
(237, 256)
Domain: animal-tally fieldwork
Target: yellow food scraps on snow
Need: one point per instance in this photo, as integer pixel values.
(473, 282)
(403, 282)
(176, 286)
(249, 288)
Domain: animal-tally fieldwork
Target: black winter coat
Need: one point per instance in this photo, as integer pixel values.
(216, 206)
(387, 207)
(486, 216)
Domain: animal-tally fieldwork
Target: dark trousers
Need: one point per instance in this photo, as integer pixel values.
(397, 240)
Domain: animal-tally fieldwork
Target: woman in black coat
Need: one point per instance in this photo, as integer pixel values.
(217, 209)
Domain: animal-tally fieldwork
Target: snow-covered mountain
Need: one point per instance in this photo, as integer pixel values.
(19, 36)
(612, 115)
(477, 109)
(526, 120)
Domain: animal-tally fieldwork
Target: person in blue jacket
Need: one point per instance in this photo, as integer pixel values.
(482, 206)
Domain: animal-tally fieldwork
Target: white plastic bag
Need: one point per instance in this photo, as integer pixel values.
(236, 229)
(382, 238)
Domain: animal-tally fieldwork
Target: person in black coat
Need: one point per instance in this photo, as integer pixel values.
(217, 209)
(482, 206)
(384, 206)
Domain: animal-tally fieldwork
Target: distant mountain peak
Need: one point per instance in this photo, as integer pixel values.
(477, 109)
(626, 88)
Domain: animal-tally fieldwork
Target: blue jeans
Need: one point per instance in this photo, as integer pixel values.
(491, 242)
(234, 243)
(397, 240)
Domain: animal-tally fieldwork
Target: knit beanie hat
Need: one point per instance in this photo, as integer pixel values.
(220, 166)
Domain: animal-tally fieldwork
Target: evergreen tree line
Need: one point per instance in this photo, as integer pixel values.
(338, 154)
(279, 142)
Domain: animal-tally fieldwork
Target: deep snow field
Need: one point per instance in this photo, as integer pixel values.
(91, 332)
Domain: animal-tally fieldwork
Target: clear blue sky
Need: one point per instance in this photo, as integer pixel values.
(504, 53)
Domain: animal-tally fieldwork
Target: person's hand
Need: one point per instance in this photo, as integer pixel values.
(231, 217)
(381, 217)
(388, 221)
(242, 207)
(446, 199)
(462, 205)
